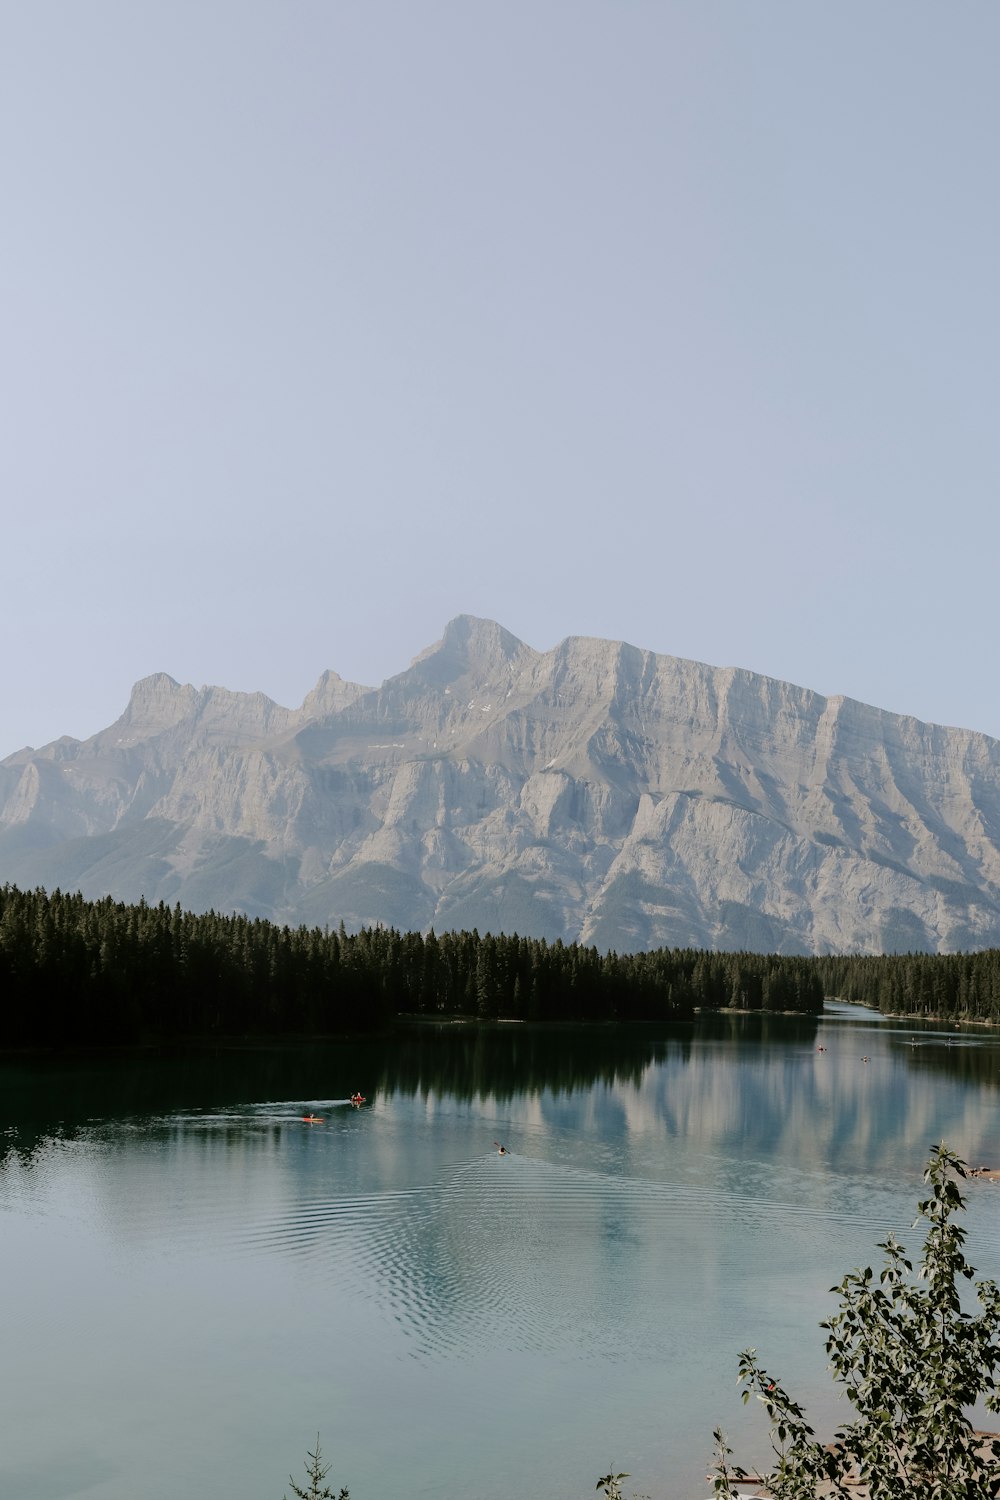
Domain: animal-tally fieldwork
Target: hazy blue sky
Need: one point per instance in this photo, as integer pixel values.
(322, 322)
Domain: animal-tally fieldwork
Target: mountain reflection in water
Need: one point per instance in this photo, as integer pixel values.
(452, 1321)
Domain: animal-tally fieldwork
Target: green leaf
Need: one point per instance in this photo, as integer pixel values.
(910, 1361)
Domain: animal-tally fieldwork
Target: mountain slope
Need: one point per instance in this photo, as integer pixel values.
(594, 791)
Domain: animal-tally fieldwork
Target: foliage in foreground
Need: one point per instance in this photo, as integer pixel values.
(611, 1484)
(911, 1362)
(316, 1472)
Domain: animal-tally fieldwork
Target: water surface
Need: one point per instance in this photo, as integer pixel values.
(197, 1281)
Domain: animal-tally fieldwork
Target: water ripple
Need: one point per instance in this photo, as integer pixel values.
(486, 1251)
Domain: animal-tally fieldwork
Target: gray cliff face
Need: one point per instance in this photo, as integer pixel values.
(594, 792)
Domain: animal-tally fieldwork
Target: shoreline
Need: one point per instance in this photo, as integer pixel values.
(952, 1021)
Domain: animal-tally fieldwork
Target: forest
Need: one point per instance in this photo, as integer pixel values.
(81, 972)
(952, 986)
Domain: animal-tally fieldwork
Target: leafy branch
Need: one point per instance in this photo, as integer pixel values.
(912, 1363)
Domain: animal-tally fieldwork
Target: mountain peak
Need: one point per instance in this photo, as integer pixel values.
(157, 702)
(330, 695)
(477, 635)
(468, 644)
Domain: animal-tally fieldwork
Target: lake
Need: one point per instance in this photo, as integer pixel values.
(196, 1281)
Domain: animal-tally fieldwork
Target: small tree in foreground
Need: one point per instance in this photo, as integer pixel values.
(611, 1484)
(316, 1472)
(911, 1362)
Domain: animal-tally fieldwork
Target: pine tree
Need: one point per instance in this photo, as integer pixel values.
(316, 1472)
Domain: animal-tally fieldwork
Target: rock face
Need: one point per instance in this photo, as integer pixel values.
(594, 792)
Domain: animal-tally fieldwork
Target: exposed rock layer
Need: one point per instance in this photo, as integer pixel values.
(593, 792)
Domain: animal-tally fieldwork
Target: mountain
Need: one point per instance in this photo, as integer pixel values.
(594, 792)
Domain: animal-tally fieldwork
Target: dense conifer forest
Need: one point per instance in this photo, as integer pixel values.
(74, 971)
(958, 986)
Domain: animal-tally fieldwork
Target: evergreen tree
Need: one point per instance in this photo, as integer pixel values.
(316, 1472)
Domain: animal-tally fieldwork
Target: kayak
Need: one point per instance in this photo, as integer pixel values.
(313, 1119)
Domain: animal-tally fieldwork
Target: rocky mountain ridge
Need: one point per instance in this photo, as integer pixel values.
(595, 791)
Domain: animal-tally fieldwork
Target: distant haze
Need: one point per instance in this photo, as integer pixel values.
(674, 324)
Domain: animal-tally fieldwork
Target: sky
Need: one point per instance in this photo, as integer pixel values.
(324, 321)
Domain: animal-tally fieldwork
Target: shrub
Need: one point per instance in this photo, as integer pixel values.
(912, 1364)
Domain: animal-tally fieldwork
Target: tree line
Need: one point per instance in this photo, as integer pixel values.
(76, 971)
(953, 986)
(79, 971)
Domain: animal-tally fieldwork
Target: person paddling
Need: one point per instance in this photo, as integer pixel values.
(501, 1150)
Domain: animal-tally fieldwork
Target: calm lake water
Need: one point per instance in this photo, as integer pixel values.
(196, 1281)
